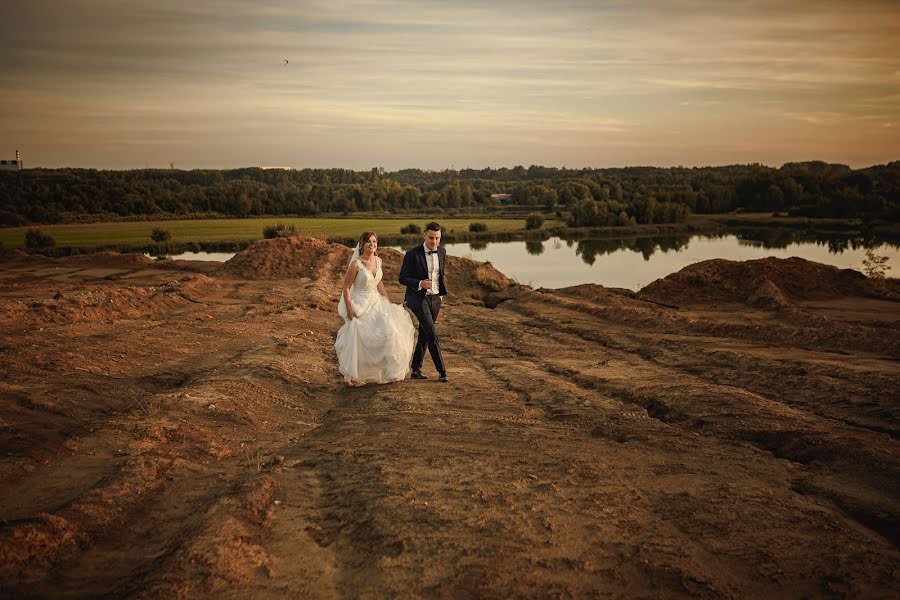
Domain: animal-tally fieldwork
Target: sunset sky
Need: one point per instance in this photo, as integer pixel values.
(428, 84)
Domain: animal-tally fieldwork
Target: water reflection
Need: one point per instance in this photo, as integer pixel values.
(590, 249)
(206, 256)
(534, 247)
(197, 251)
(836, 242)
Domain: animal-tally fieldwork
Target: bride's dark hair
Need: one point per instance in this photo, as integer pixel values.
(365, 238)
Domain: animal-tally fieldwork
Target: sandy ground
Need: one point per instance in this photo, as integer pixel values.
(179, 429)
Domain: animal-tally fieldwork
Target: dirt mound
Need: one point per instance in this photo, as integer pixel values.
(27, 548)
(595, 293)
(110, 259)
(309, 258)
(287, 258)
(9, 253)
(104, 304)
(769, 283)
(467, 278)
(99, 265)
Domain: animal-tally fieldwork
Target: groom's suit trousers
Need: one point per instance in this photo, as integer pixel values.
(426, 309)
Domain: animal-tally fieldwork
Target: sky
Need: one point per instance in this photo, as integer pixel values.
(120, 84)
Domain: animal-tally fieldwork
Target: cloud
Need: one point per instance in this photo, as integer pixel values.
(402, 70)
(819, 118)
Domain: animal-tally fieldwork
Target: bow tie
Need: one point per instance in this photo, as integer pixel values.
(431, 251)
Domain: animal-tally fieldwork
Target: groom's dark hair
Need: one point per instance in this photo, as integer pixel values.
(433, 226)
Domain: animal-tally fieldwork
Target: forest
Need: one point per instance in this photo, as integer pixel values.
(584, 197)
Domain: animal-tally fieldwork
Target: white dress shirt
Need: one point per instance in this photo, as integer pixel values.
(434, 269)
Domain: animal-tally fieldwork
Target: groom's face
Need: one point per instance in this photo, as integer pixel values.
(432, 239)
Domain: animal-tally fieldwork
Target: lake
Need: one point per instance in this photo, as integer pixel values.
(633, 263)
(636, 262)
(217, 256)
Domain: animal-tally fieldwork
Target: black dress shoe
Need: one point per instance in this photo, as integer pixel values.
(443, 379)
(418, 375)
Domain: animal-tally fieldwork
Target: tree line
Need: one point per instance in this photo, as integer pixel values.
(585, 197)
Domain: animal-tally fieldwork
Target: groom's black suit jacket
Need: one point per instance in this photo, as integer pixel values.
(415, 269)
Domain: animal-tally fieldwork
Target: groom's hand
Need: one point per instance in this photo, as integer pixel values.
(425, 284)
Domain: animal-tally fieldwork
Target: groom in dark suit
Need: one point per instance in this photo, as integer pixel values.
(423, 275)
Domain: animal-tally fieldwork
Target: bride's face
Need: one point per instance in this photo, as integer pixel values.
(370, 246)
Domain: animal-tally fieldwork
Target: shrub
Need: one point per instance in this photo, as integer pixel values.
(875, 266)
(160, 235)
(698, 280)
(279, 230)
(534, 221)
(411, 228)
(477, 227)
(37, 241)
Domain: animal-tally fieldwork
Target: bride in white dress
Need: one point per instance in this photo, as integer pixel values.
(376, 342)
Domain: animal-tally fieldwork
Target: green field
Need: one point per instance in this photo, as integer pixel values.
(137, 233)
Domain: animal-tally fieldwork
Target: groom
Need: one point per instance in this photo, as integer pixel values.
(423, 275)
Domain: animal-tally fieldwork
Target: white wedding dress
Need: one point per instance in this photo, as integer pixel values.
(377, 345)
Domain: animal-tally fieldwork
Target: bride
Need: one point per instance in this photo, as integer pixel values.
(376, 342)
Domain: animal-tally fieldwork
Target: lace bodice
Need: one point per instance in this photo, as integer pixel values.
(364, 290)
(365, 282)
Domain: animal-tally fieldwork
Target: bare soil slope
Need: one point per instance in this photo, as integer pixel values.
(179, 429)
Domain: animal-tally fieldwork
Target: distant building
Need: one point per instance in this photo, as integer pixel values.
(12, 165)
(281, 168)
(501, 197)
